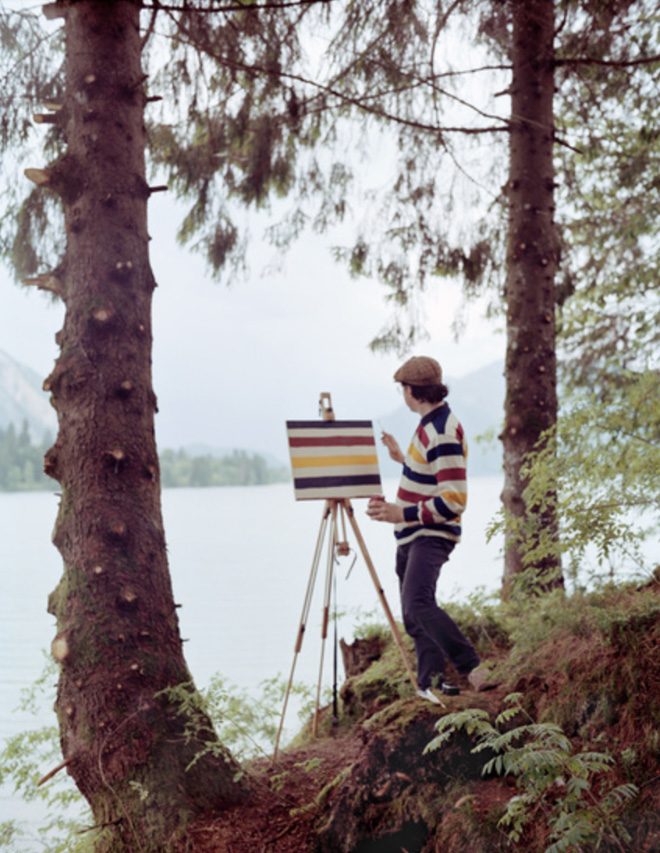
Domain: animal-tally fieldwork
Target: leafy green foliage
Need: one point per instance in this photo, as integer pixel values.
(298, 101)
(568, 790)
(30, 57)
(24, 760)
(611, 195)
(230, 129)
(601, 469)
(244, 725)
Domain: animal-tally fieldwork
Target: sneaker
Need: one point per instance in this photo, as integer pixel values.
(429, 695)
(450, 689)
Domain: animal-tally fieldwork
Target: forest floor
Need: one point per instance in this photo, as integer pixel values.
(281, 812)
(589, 664)
(285, 803)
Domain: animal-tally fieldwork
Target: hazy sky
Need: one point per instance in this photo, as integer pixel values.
(231, 364)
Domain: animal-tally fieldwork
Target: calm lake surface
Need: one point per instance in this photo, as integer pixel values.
(240, 560)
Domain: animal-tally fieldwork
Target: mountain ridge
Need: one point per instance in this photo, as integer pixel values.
(477, 399)
(22, 399)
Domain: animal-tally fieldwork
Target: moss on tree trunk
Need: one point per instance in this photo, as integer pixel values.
(118, 641)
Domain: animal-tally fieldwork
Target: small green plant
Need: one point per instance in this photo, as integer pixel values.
(568, 789)
(368, 624)
(24, 760)
(245, 726)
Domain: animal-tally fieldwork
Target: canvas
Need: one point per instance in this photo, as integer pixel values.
(333, 459)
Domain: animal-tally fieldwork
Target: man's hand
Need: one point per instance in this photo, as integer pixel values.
(380, 510)
(392, 446)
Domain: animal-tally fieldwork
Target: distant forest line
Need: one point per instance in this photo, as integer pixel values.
(21, 466)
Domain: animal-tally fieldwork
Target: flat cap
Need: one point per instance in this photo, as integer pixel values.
(419, 370)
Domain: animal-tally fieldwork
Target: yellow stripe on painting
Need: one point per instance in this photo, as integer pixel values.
(331, 461)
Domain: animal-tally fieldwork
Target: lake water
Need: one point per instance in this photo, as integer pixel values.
(240, 560)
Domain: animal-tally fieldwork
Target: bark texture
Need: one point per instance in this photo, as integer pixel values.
(532, 258)
(118, 641)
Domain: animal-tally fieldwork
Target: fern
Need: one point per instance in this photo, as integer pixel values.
(551, 778)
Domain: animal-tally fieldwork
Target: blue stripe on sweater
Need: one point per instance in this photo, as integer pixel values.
(415, 477)
(429, 529)
(438, 417)
(452, 449)
(442, 509)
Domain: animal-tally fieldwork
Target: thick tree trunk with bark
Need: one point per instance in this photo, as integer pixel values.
(532, 257)
(118, 643)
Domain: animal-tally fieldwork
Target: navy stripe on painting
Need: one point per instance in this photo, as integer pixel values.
(329, 424)
(333, 482)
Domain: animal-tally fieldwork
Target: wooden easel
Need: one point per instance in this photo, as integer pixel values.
(335, 510)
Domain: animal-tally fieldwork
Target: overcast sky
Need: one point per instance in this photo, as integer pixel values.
(231, 364)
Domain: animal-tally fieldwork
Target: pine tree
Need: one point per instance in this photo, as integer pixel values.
(144, 767)
(245, 117)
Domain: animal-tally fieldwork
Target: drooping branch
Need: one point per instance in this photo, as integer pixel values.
(362, 102)
(608, 63)
(235, 7)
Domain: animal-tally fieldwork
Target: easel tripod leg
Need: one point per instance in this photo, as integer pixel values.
(381, 595)
(332, 539)
(305, 614)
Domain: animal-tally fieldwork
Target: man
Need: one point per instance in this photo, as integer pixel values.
(427, 525)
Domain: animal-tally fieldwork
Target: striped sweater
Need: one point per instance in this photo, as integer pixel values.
(433, 487)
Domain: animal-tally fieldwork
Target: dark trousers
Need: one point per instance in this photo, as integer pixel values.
(436, 636)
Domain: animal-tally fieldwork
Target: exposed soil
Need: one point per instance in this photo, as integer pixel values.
(280, 812)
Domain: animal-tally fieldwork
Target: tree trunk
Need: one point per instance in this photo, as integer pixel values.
(532, 257)
(118, 641)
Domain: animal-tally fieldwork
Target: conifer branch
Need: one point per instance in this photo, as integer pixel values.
(362, 102)
(608, 63)
(235, 7)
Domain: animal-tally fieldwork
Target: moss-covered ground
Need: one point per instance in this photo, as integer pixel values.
(587, 664)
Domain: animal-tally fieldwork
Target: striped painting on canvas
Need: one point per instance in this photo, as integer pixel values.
(333, 459)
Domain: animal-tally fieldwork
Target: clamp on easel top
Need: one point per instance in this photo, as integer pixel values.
(328, 414)
(311, 440)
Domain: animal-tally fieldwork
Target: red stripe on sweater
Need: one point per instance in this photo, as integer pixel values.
(423, 437)
(426, 516)
(411, 497)
(450, 474)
